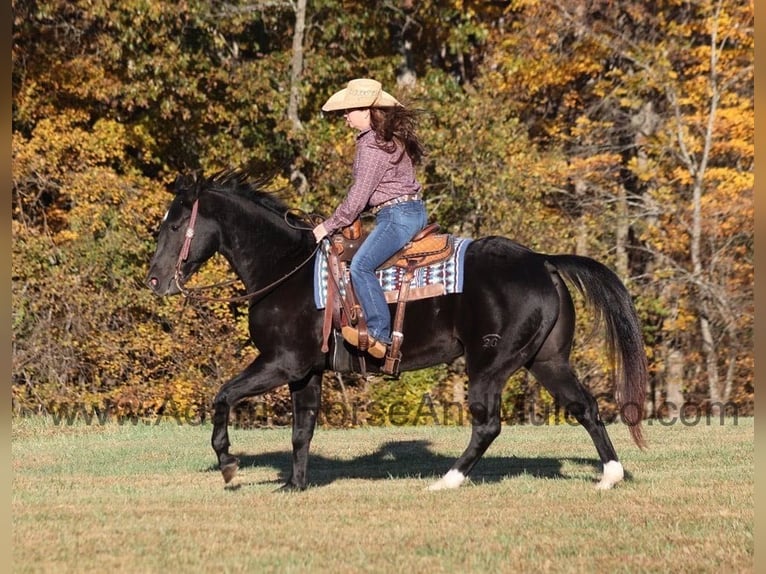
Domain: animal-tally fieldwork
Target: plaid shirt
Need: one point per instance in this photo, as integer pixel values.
(377, 178)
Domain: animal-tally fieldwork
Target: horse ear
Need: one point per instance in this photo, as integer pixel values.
(182, 183)
(186, 186)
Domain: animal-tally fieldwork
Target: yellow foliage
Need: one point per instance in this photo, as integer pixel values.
(542, 139)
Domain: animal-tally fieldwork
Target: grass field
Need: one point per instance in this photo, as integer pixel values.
(147, 498)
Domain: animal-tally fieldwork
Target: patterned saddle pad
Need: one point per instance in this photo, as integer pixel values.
(430, 281)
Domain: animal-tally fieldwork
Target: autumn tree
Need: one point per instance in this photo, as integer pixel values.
(699, 180)
(652, 108)
(618, 130)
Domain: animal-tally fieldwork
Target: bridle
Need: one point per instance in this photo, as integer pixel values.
(194, 292)
(188, 236)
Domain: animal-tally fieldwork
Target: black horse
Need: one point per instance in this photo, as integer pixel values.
(514, 311)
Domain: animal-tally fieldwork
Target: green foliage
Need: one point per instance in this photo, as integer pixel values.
(414, 398)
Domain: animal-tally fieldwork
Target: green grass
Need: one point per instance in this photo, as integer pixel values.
(146, 498)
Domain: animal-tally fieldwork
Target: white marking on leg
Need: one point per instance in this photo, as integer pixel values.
(452, 479)
(613, 473)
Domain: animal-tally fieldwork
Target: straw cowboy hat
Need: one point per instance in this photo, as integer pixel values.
(360, 93)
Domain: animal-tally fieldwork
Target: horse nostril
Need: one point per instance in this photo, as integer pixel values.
(153, 282)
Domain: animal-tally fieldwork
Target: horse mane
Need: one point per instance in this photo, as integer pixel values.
(240, 183)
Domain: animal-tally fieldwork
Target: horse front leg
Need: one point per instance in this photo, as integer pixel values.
(306, 398)
(256, 379)
(227, 463)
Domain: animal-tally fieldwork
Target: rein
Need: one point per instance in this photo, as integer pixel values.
(194, 292)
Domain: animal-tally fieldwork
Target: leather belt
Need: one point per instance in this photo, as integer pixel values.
(394, 201)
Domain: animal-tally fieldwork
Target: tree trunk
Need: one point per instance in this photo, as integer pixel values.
(297, 177)
(674, 380)
(621, 234)
(296, 73)
(581, 230)
(711, 365)
(406, 76)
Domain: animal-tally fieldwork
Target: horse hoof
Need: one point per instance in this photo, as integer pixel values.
(613, 473)
(290, 487)
(229, 470)
(453, 479)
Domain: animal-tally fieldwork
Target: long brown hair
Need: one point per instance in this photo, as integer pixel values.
(397, 126)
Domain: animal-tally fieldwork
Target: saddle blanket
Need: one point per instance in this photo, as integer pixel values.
(437, 279)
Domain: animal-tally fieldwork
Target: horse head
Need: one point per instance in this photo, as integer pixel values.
(177, 256)
(227, 213)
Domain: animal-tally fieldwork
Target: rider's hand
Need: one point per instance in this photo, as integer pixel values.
(320, 232)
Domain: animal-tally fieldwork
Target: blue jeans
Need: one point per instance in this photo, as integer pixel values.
(395, 225)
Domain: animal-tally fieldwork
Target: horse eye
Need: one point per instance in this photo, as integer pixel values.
(175, 227)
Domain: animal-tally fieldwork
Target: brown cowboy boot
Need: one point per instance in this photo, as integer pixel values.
(374, 347)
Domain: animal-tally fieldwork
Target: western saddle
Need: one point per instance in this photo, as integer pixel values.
(342, 308)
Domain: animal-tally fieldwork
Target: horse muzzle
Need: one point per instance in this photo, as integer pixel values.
(162, 287)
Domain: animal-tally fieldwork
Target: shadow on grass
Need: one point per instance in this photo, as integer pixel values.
(408, 459)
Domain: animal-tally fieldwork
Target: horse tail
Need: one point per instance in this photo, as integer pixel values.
(611, 303)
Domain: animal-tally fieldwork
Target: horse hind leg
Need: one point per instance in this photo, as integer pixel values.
(489, 367)
(551, 366)
(560, 380)
(306, 398)
(484, 405)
